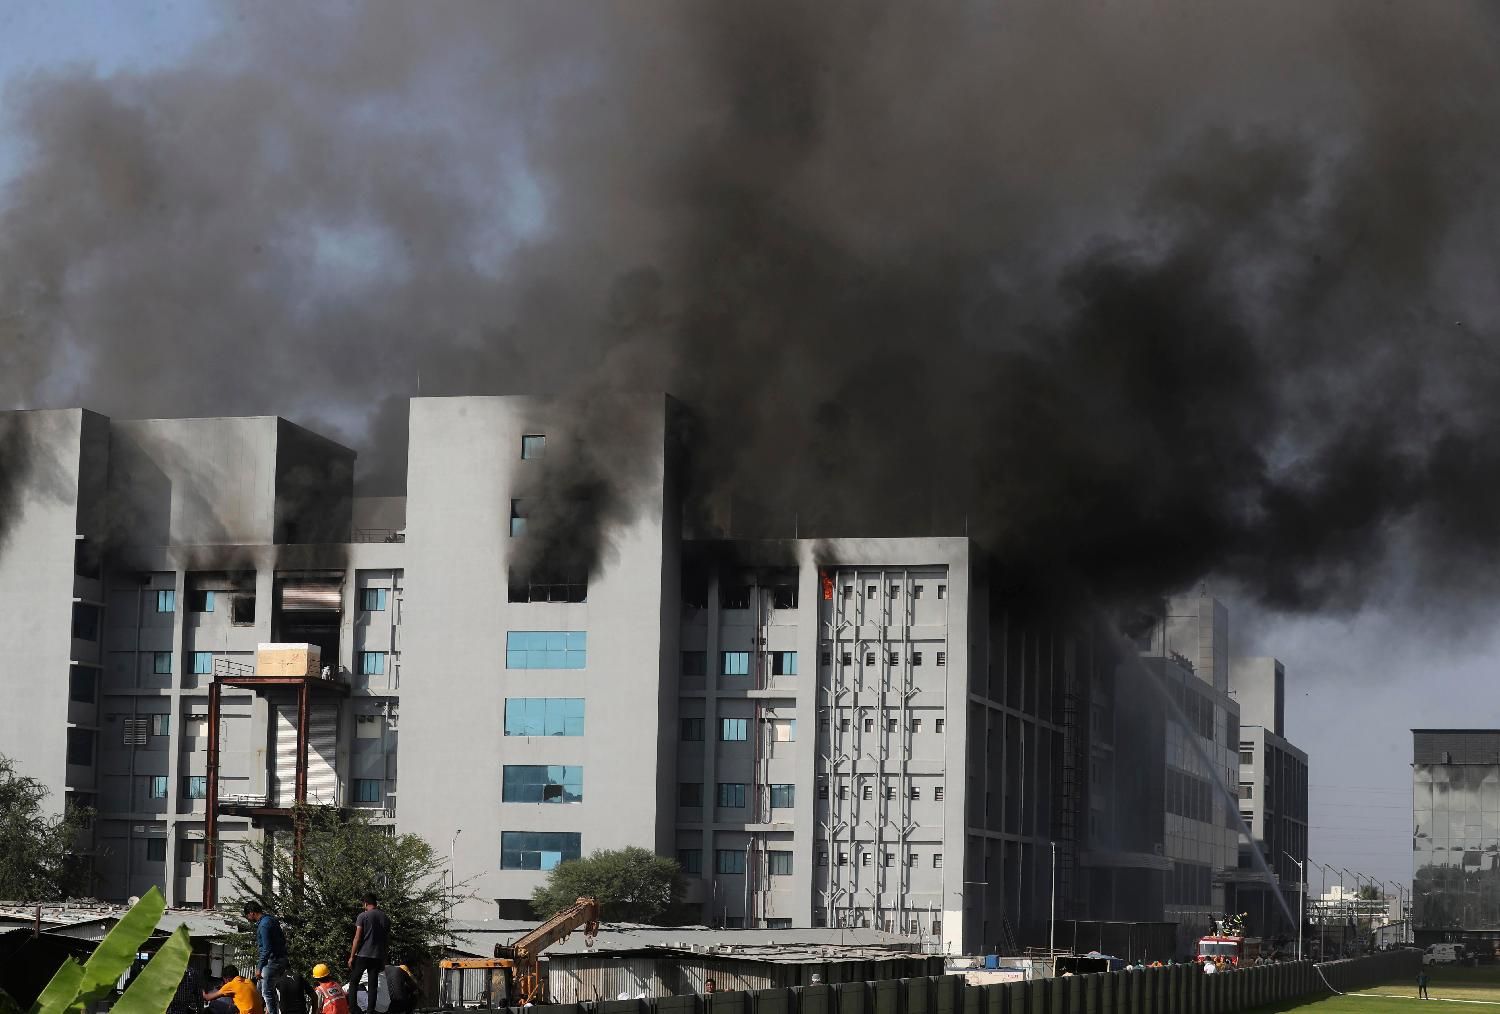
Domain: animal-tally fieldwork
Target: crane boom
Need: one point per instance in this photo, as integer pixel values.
(582, 913)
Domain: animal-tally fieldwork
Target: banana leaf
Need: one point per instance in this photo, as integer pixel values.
(62, 990)
(152, 989)
(116, 952)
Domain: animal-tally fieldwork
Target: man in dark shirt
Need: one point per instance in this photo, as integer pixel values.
(293, 992)
(271, 943)
(367, 954)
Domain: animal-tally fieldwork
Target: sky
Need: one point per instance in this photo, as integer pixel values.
(1358, 680)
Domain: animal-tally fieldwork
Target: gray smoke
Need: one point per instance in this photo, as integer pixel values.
(1130, 295)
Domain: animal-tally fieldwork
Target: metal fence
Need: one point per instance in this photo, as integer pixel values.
(1175, 989)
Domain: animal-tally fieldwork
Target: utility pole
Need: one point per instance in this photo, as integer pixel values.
(1052, 932)
(1301, 900)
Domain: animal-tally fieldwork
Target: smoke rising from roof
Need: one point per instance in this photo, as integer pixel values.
(1132, 297)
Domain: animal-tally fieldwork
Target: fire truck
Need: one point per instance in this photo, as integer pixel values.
(1227, 944)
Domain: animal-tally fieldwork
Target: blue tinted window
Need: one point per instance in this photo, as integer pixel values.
(691, 860)
(538, 850)
(736, 663)
(203, 663)
(542, 783)
(159, 787)
(546, 649)
(372, 600)
(367, 790)
(731, 794)
(533, 446)
(371, 663)
(732, 730)
(544, 716)
(161, 663)
(783, 797)
(166, 601)
(783, 663)
(729, 860)
(195, 786)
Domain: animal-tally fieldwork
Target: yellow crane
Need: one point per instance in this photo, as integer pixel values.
(513, 977)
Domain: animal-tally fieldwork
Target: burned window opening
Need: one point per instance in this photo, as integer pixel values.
(242, 610)
(541, 586)
(734, 597)
(784, 596)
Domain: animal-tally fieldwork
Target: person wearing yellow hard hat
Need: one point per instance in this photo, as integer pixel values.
(331, 998)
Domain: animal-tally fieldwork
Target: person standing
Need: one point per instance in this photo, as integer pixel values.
(401, 987)
(271, 943)
(1422, 981)
(367, 954)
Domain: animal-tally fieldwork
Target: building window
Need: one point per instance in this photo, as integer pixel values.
(372, 663)
(83, 685)
(201, 601)
(843, 790)
(1247, 790)
(937, 726)
(734, 596)
(691, 861)
(779, 923)
(937, 793)
(843, 859)
(546, 649)
(911, 859)
(538, 850)
(544, 716)
(783, 663)
(367, 790)
(888, 860)
(518, 512)
(916, 658)
(1248, 816)
(942, 591)
(942, 658)
(867, 791)
(891, 725)
(937, 860)
(916, 792)
(731, 795)
(161, 725)
(161, 663)
(822, 790)
(825, 657)
(166, 601)
(729, 861)
(372, 600)
(843, 725)
(203, 663)
(80, 747)
(735, 663)
(242, 610)
(916, 725)
(695, 663)
(367, 727)
(692, 730)
(566, 585)
(890, 792)
(533, 446)
(822, 858)
(690, 794)
(870, 592)
(1247, 756)
(85, 622)
(869, 725)
(156, 850)
(732, 730)
(869, 658)
(192, 852)
(783, 796)
(541, 783)
(895, 658)
(846, 658)
(195, 786)
(783, 730)
(158, 786)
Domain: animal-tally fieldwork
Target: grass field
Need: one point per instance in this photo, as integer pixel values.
(1451, 988)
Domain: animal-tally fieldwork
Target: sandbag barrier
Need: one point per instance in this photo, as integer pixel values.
(1174, 989)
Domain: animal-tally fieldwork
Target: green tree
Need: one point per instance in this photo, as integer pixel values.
(36, 849)
(630, 884)
(343, 857)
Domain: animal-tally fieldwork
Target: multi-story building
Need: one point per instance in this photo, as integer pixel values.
(1168, 817)
(1455, 835)
(1273, 803)
(832, 732)
(143, 560)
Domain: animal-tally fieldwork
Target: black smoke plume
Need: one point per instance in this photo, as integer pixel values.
(1130, 294)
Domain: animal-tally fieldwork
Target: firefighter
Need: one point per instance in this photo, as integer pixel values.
(331, 998)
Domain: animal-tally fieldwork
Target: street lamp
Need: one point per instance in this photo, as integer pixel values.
(1052, 931)
(1301, 899)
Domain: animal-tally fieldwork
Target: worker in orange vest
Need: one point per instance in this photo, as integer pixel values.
(331, 998)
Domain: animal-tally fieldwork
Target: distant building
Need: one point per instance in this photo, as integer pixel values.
(1455, 834)
(1273, 802)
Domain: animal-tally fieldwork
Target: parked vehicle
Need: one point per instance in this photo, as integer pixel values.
(1445, 954)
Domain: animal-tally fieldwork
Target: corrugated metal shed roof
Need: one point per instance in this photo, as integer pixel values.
(479, 939)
